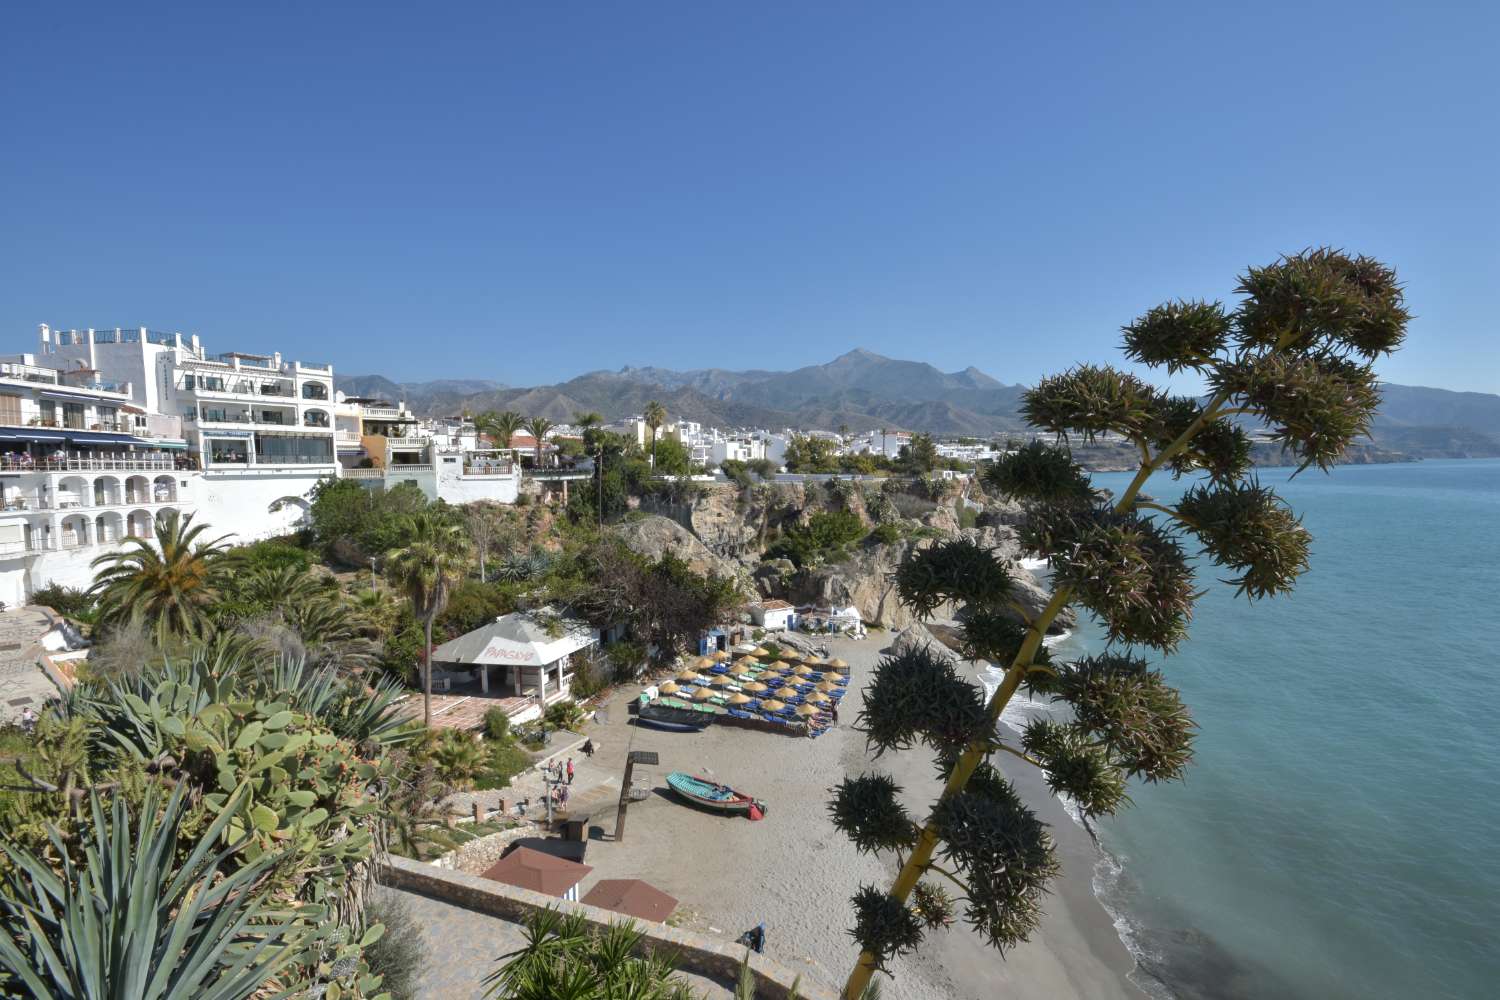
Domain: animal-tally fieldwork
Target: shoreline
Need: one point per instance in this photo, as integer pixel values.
(795, 873)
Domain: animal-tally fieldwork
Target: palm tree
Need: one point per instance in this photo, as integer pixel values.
(168, 586)
(500, 426)
(655, 416)
(538, 427)
(587, 421)
(435, 557)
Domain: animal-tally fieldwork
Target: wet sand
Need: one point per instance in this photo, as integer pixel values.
(795, 872)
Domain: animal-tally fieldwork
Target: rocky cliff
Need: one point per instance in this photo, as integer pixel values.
(727, 528)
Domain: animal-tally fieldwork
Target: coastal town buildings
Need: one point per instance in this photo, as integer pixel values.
(81, 468)
(257, 427)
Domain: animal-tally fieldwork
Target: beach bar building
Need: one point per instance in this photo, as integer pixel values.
(531, 655)
(774, 615)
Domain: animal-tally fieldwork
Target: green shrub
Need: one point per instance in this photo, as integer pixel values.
(502, 762)
(497, 725)
(825, 534)
(66, 601)
(457, 756)
(564, 714)
(273, 554)
(886, 534)
(398, 956)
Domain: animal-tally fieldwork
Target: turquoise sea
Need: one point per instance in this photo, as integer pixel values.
(1339, 833)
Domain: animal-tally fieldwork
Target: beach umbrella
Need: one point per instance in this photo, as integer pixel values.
(772, 706)
(739, 699)
(827, 686)
(755, 686)
(669, 688)
(818, 697)
(778, 665)
(760, 651)
(703, 663)
(688, 675)
(785, 692)
(703, 694)
(721, 681)
(806, 710)
(838, 664)
(803, 670)
(739, 670)
(720, 655)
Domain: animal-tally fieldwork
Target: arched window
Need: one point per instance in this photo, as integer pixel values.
(314, 390)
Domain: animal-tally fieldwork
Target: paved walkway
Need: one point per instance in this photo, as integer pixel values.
(462, 947)
(23, 683)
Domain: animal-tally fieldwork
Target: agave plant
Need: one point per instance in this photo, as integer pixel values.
(129, 922)
(564, 959)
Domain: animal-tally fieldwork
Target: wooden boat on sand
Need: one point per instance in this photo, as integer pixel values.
(676, 718)
(708, 794)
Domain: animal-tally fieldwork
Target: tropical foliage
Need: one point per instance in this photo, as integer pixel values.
(564, 957)
(168, 582)
(1296, 355)
(203, 826)
(434, 558)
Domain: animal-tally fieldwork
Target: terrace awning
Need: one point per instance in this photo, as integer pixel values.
(50, 436)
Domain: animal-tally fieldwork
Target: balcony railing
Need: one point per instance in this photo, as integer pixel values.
(140, 463)
(363, 473)
(488, 468)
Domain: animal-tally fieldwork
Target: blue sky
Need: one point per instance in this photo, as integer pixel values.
(526, 192)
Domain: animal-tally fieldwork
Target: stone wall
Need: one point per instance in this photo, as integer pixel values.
(695, 953)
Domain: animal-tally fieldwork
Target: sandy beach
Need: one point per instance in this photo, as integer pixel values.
(795, 873)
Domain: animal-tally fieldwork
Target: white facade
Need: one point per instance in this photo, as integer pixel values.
(775, 615)
(260, 429)
(80, 470)
(737, 449)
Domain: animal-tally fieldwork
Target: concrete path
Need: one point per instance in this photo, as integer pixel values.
(23, 683)
(462, 947)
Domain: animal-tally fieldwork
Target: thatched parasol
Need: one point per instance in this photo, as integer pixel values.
(755, 686)
(818, 697)
(827, 686)
(669, 688)
(838, 664)
(703, 662)
(804, 670)
(739, 669)
(719, 656)
(722, 681)
(806, 710)
(760, 651)
(780, 666)
(688, 675)
(703, 694)
(772, 705)
(785, 692)
(740, 699)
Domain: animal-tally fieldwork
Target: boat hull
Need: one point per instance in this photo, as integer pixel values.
(671, 727)
(723, 799)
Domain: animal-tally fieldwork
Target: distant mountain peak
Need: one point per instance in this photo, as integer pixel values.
(859, 354)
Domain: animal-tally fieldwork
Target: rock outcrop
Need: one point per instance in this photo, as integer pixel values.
(653, 536)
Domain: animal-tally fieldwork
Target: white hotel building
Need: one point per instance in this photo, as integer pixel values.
(101, 431)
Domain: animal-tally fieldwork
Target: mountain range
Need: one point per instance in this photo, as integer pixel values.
(866, 391)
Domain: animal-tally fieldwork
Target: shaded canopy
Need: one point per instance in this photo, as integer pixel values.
(633, 897)
(529, 869)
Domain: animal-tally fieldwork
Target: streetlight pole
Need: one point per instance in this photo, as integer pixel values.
(374, 587)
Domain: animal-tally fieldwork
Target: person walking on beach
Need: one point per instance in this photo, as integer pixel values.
(570, 770)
